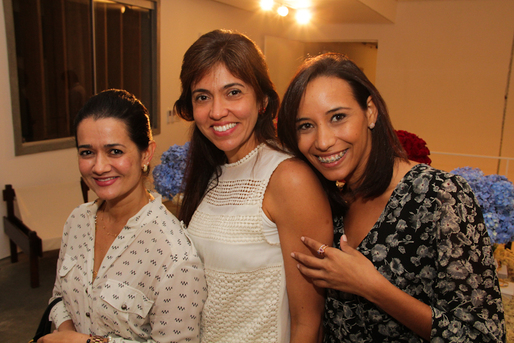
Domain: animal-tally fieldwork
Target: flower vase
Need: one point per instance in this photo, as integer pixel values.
(504, 258)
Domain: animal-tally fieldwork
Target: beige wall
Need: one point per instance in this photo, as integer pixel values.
(442, 68)
(284, 56)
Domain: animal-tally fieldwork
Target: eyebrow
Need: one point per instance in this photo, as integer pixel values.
(337, 109)
(112, 145)
(201, 90)
(328, 112)
(233, 84)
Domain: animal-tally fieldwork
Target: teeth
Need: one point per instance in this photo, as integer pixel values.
(106, 179)
(332, 158)
(224, 128)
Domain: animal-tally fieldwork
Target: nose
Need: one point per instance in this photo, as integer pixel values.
(102, 164)
(325, 138)
(219, 109)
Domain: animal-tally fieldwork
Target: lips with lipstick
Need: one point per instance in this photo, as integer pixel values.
(223, 128)
(106, 180)
(332, 158)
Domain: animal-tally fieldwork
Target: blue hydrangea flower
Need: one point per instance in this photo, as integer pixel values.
(495, 195)
(169, 174)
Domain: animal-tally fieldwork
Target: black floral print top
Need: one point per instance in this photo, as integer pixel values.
(430, 241)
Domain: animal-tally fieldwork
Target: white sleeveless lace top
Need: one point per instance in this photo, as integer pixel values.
(239, 245)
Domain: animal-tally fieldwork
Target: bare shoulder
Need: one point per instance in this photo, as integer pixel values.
(292, 174)
(293, 190)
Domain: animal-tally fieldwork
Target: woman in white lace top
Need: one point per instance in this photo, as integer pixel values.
(247, 202)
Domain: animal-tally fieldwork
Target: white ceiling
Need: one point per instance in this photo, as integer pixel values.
(336, 11)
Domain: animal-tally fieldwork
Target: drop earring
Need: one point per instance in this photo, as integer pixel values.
(145, 168)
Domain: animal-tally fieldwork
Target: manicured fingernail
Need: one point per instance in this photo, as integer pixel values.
(345, 239)
(293, 255)
(303, 239)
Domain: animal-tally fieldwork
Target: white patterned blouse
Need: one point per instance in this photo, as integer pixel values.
(150, 286)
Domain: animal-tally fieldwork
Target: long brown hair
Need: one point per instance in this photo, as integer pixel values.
(243, 58)
(385, 146)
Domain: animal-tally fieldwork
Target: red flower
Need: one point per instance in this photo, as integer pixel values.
(415, 147)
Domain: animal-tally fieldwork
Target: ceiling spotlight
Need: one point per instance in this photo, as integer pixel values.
(266, 4)
(283, 10)
(303, 16)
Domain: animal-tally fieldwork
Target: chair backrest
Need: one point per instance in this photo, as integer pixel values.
(46, 208)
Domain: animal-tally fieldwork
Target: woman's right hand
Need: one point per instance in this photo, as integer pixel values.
(65, 333)
(64, 337)
(349, 271)
(346, 270)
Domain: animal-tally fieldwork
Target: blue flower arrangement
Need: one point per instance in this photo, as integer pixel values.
(495, 195)
(169, 174)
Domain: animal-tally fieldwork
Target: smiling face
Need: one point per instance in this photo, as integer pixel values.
(333, 130)
(109, 160)
(225, 110)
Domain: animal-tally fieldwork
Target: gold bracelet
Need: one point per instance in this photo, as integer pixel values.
(96, 339)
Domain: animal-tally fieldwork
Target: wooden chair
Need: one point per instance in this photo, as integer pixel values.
(21, 236)
(26, 238)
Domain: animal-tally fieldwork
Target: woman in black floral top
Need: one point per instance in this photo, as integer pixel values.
(412, 260)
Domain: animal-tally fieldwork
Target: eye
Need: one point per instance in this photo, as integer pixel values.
(304, 126)
(234, 92)
(337, 117)
(200, 98)
(116, 152)
(85, 153)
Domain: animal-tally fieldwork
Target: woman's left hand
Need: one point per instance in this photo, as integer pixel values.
(346, 270)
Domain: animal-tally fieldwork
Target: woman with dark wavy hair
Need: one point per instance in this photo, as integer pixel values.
(412, 259)
(247, 202)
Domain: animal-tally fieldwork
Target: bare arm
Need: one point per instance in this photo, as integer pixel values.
(296, 202)
(349, 271)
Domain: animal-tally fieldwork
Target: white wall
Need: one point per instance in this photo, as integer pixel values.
(442, 68)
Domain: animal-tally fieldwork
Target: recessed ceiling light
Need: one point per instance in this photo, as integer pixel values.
(266, 4)
(283, 10)
(303, 16)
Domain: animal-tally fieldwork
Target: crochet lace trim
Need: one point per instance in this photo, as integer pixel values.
(237, 193)
(247, 157)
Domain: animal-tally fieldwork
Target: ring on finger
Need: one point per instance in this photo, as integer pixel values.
(321, 249)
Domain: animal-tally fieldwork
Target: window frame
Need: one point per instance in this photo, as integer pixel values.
(25, 148)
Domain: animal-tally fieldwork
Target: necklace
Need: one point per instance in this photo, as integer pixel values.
(101, 210)
(103, 222)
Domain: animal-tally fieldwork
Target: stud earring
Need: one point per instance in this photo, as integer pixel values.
(145, 168)
(262, 110)
(371, 126)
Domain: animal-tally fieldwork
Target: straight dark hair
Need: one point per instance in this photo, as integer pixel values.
(385, 146)
(243, 59)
